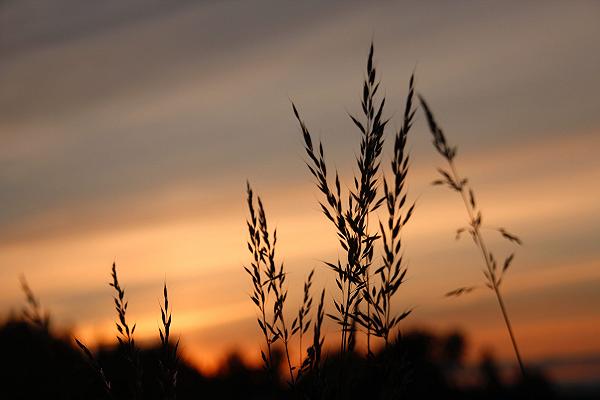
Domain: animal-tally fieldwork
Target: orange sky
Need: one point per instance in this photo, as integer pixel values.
(128, 133)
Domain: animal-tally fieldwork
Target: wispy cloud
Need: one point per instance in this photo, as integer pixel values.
(128, 130)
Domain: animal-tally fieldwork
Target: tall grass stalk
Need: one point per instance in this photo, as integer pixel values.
(256, 272)
(365, 297)
(302, 322)
(351, 217)
(392, 271)
(169, 358)
(493, 274)
(125, 334)
(265, 273)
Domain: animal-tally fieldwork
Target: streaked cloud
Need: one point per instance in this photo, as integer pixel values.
(128, 131)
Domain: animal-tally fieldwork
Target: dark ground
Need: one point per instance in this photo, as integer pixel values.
(40, 365)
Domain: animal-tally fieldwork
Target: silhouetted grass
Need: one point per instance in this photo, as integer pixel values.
(125, 335)
(302, 322)
(417, 365)
(391, 274)
(167, 362)
(362, 298)
(269, 290)
(44, 365)
(169, 358)
(492, 272)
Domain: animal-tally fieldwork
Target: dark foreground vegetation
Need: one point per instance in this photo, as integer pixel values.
(40, 365)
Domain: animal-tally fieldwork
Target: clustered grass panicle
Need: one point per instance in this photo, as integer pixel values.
(313, 356)
(359, 300)
(125, 334)
(265, 272)
(302, 322)
(33, 311)
(270, 294)
(169, 358)
(351, 217)
(391, 273)
(258, 268)
(493, 273)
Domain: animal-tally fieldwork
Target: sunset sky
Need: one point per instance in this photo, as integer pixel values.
(128, 131)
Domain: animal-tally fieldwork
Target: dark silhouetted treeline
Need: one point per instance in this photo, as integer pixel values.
(39, 364)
